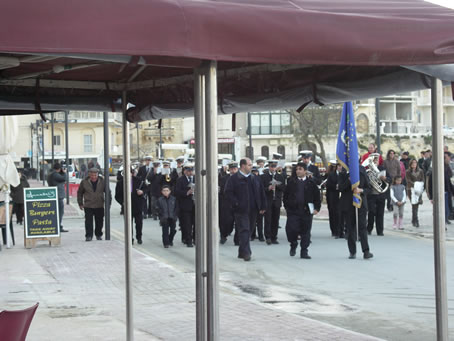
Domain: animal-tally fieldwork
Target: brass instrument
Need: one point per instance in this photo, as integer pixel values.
(279, 171)
(168, 177)
(372, 173)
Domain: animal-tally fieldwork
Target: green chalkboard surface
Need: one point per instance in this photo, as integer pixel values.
(41, 212)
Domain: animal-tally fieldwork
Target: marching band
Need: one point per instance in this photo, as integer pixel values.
(252, 197)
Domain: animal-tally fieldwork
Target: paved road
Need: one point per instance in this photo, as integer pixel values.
(390, 296)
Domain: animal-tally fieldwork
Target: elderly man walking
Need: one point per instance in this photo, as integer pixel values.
(90, 198)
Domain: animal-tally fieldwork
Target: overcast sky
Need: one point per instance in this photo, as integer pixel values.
(445, 3)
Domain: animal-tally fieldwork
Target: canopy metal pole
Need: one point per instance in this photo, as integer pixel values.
(212, 199)
(377, 122)
(438, 186)
(52, 139)
(138, 150)
(251, 152)
(128, 223)
(31, 145)
(67, 155)
(106, 174)
(42, 141)
(200, 204)
(7, 213)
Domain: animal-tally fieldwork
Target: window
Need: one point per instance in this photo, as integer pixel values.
(266, 152)
(281, 150)
(88, 143)
(225, 148)
(267, 123)
(57, 140)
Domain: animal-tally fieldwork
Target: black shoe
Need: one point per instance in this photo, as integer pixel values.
(88, 239)
(448, 222)
(416, 223)
(155, 218)
(274, 242)
(268, 242)
(171, 244)
(223, 240)
(292, 251)
(145, 216)
(246, 258)
(305, 255)
(63, 230)
(98, 237)
(367, 255)
(151, 216)
(139, 241)
(189, 245)
(380, 234)
(352, 256)
(261, 239)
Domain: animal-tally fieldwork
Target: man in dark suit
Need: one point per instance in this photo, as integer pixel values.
(301, 201)
(313, 171)
(274, 185)
(245, 191)
(137, 201)
(226, 211)
(184, 192)
(346, 203)
(145, 173)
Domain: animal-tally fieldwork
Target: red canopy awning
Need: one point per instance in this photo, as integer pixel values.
(331, 32)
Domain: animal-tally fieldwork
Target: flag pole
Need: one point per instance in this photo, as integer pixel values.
(357, 224)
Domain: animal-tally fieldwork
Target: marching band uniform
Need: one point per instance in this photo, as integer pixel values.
(345, 187)
(137, 202)
(274, 202)
(167, 179)
(245, 192)
(332, 199)
(305, 156)
(155, 189)
(376, 207)
(301, 200)
(186, 205)
(226, 213)
(145, 173)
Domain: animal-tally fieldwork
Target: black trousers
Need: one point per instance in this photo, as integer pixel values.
(376, 206)
(154, 206)
(362, 229)
(168, 231)
(61, 209)
(334, 214)
(147, 204)
(187, 221)
(98, 214)
(243, 223)
(299, 223)
(228, 223)
(137, 215)
(19, 210)
(272, 214)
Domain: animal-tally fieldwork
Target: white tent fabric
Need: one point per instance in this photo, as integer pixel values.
(8, 135)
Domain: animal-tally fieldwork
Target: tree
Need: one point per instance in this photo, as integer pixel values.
(313, 124)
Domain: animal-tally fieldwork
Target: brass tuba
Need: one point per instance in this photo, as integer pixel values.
(372, 172)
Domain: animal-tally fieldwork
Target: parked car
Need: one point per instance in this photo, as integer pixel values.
(71, 173)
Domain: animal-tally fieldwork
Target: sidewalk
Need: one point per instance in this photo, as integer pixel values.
(425, 230)
(80, 288)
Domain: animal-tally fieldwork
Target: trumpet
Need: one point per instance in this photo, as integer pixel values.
(168, 177)
(279, 171)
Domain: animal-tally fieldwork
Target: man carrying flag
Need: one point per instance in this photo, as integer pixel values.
(353, 183)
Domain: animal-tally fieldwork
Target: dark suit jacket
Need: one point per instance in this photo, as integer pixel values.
(315, 174)
(137, 201)
(185, 201)
(237, 192)
(311, 195)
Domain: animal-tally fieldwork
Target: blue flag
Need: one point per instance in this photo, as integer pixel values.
(347, 148)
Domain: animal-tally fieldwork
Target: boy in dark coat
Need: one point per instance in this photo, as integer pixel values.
(168, 213)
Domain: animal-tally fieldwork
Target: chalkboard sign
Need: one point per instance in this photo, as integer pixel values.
(41, 212)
